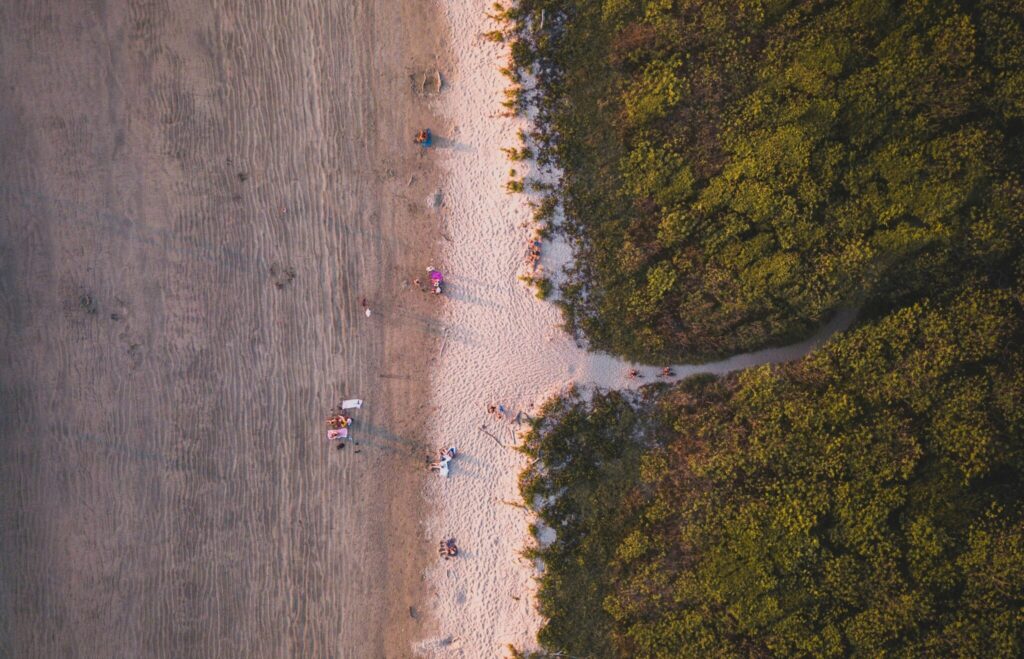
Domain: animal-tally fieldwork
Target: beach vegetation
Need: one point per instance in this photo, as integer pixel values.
(542, 286)
(544, 210)
(518, 154)
(783, 160)
(735, 173)
(862, 502)
(495, 36)
(537, 185)
(514, 183)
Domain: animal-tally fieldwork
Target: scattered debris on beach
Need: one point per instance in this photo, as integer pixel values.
(282, 275)
(88, 303)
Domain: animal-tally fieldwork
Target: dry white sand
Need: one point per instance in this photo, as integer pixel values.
(505, 347)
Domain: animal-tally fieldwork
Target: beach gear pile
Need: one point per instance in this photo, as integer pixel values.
(339, 424)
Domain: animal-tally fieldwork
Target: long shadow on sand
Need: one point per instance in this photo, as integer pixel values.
(366, 433)
(440, 142)
(461, 294)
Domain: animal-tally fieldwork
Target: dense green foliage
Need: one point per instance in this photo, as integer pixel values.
(864, 501)
(735, 171)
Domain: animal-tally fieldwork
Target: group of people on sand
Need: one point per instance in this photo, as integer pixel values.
(337, 428)
(434, 278)
(497, 411)
(533, 252)
(447, 549)
(441, 465)
(634, 373)
(445, 456)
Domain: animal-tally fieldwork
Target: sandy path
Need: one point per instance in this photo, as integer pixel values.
(503, 347)
(194, 198)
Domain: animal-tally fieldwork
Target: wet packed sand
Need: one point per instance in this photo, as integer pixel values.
(195, 198)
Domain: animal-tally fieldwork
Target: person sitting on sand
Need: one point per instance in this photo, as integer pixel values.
(445, 456)
(447, 548)
(423, 137)
(337, 421)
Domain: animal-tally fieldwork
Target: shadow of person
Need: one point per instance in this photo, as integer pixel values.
(441, 142)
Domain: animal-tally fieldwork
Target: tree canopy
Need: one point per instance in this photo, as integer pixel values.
(736, 171)
(865, 501)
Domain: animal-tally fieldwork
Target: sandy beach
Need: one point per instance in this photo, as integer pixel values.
(195, 200)
(502, 346)
(199, 203)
